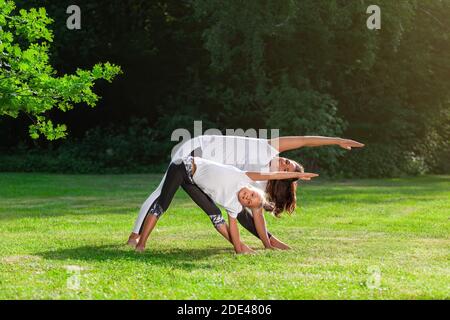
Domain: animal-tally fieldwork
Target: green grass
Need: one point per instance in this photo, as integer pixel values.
(363, 239)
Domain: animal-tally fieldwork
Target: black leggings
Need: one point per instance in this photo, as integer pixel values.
(177, 176)
(245, 218)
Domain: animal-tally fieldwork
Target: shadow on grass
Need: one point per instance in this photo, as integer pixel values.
(185, 258)
(381, 191)
(15, 214)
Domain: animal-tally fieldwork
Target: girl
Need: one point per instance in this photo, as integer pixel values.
(226, 185)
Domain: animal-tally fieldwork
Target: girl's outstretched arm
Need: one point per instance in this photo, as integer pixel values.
(280, 175)
(261, 229)
(295, 142)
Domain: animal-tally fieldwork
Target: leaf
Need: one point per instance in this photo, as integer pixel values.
(31, 82)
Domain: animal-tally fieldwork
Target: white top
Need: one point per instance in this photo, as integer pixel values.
(221, 182)
(248, 154)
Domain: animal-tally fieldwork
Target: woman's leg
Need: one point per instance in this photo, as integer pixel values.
(134, 236)
(147, 228)
(245, 218)
(176, 176)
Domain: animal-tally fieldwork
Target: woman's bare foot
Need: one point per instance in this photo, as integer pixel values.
(132, 242)
(133, 239)
(140, 248)
(278, 244)
(246, 249)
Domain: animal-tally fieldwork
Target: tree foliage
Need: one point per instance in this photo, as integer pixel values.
(305, 67)
(312, 67)
(28, 82)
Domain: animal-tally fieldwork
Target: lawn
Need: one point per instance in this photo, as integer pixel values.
(62, 237)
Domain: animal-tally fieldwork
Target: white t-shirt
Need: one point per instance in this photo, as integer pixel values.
(248, 154)
(221, 182)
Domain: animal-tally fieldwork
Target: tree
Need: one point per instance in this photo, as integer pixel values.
(258, 69)
(28, 83)
(313, 67)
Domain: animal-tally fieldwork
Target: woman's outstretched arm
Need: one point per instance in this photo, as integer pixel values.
(280, 175)
(295, 142)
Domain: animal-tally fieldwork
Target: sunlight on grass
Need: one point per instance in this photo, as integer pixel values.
(63, 238)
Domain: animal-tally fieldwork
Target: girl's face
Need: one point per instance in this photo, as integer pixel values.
(249, 198)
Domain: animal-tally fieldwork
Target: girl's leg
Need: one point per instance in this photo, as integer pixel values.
(208, 206)
(176, 175)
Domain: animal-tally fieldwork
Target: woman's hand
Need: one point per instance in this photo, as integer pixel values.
(306, 175)
(349, 144)
(246, 249)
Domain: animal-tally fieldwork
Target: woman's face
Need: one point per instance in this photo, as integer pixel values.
(284, 164)
(249, 198)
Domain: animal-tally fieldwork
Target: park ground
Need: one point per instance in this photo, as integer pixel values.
(62, 237)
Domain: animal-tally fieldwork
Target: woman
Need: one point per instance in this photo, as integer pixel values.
(248, 154)
(226, 185)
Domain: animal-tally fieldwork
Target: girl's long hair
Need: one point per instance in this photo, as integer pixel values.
(283, 193)
(265, 203)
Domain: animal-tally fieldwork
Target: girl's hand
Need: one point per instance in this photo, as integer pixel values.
(306, 175)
